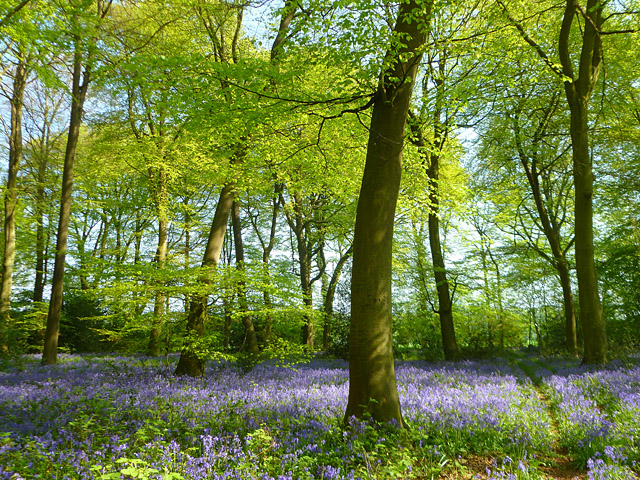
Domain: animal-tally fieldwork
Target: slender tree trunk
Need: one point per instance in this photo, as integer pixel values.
(266, 254)
(78, 94)
(11, 199)
(330, 294)
(578, 92)
(303, 247)
(38, 288)
(187, 247)
(487, 296)
(571, 335)
(155, 344)
(42, 207)
(372, 379)
(304, 258)
(190, 362)
(137, 252)
(552, 233)
(251, 340)
(431, 158)
(445, 303)
(227, 325)
(496, 265)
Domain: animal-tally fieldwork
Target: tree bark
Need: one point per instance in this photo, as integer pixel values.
(78, 94)
(372, 380)
(161, 198)
(550, 226)
(445, 302)
(304, 259)
(40, 270)
(266, 254)
(251, 340)
(578, 92)
(190, 362)
(11, 198)
(327, 306)
(304, 247)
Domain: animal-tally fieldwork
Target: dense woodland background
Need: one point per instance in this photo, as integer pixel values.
(270, 104)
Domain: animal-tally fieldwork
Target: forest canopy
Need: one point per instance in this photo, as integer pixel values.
(215, 178)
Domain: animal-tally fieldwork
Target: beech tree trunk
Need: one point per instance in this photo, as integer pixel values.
(11, 199)
(190, 362)
(40, 270)
(158, 176)
(327, 307)
(578, 91)
(550, 226)
(372, 379)
(267, 248)
(251, 340)
(445, 302)
(78, 94)
(304, 258)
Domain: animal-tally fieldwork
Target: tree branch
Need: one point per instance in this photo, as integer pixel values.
(12, 12)
(541, 53)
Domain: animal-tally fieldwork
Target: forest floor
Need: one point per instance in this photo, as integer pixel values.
(121, 417)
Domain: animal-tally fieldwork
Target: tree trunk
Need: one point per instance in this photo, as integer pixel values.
(445, 311)
(11, 199)
(155, 344)
(445, 302)
(190, 362)
(251, 340)
(431, 158)
(487, 289)
(593, 327)
(40, 270)
(578, 92)
(330, 294)
(551, 230)
(496, 265)
(266, 254)
(571, 335)
(187, 246)
(304, 258)
(303, 247)
(372, 379)
(78, 94)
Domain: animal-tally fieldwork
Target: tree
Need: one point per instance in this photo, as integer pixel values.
(372, 382)
(84, 44)
(529, 132)
(578, 91)
(42, 151)
(191, 363)
(11, 193)
(548, 207)
(431, 154)
(329, 296)
(12, 11)
(579, 85)
(250, 333)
